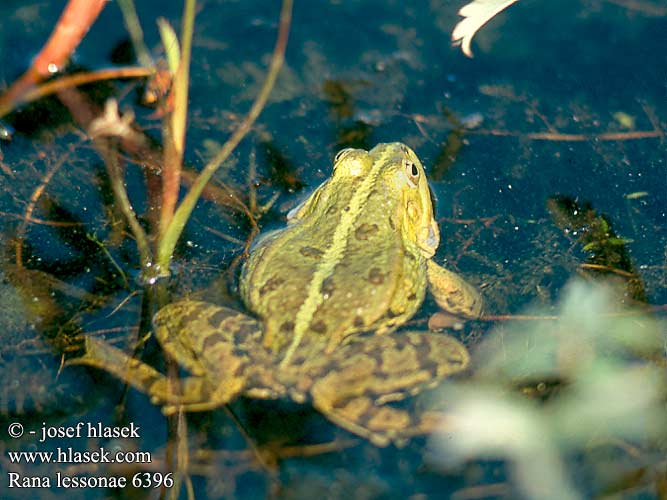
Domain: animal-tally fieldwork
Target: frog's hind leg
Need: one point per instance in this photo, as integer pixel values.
(207, 339)
(364, 375)
(220, 345)
(190, 394)
(139, 375)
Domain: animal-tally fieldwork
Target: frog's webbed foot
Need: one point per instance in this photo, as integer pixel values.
(453, 293)
(366, 374)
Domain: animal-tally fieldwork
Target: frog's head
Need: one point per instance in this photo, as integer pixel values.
(350, 166)
(389, 173)
(409, 187)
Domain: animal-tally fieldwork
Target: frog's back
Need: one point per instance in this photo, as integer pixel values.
(354, 281)
(345, 263)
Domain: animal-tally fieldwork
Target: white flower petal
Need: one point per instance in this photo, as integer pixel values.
(476, 14)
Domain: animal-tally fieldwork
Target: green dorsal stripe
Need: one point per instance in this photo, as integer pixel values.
(332, 256)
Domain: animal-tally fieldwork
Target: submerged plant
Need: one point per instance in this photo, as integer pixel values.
(548, 390)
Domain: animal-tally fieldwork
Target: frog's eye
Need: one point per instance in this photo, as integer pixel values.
(412, 172)
(340, 154)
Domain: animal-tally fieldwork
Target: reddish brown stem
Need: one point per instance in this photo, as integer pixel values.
(74, 23)
(72, 26)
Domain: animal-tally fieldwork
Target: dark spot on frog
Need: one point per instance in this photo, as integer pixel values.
(311, 252)
(375, 276)
(151, 380)
(347, 208)
(453, 304)
(219, 316)
(243, 329)
(319, 326)
(432, 366)
(328, 287)
(185, 319)
(213, 340)
(271, 285)
(454, 359)
(366, 231)
(412, 296)
(391, 313)
(358, 322)
(287, 326)
(376, 356)
(391, 224)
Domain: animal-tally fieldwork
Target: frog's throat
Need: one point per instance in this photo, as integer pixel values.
(333, 255)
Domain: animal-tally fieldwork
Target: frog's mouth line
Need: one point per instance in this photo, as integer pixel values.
(421, 222)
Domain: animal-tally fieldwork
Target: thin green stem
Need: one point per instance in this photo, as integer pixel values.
(136, 33)
(119, 269)
(173, 232)
(182, 78)
(118, 187)
(174, 130)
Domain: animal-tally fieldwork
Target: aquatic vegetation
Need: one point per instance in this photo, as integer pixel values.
(517, 154)
(548, 395)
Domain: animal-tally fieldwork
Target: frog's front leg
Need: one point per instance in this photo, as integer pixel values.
(364, 375)
(452, 293)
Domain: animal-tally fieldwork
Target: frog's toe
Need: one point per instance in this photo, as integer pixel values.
(452, 293)
(380, 424)
(139, 375)
(104, 356)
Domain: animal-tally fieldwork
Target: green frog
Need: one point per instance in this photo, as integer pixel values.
(328, 293)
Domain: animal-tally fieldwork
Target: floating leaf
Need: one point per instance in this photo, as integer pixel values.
(477, 13)
(625, 120)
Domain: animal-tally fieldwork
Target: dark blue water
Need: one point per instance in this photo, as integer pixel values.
(357, 73)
